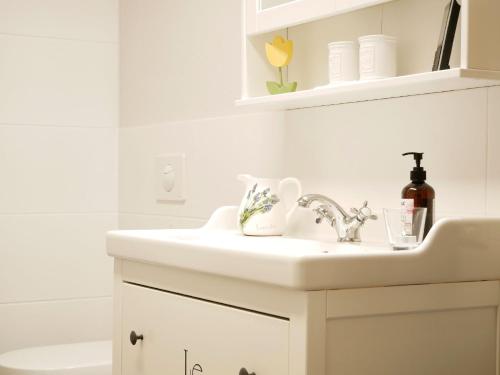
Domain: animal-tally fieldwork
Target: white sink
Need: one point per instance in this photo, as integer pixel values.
(455, 250)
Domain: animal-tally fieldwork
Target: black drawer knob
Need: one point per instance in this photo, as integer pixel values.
(244, 371)
(134, 337)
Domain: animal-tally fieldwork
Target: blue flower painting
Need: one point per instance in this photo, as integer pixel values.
(257, 202)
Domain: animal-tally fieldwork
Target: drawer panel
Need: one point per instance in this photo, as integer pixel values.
(187, 336)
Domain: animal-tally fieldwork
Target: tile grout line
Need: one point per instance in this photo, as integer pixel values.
(115, 43)
(392, 97)
(9, 125)
(162, 215)
(486, 195)
(200, 119)
(58, 213)
(55, 300)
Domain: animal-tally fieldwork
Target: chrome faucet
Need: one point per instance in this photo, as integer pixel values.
(347, 226)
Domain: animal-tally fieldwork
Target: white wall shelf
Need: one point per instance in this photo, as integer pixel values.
(415, 84)
(312, 24)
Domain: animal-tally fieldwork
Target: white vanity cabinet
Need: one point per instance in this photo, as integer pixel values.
(185, 335)
(194, 323)
(212, 301)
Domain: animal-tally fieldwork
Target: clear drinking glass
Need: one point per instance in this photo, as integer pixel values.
(405, 228)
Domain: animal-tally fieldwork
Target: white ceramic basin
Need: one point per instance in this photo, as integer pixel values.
(455, 250)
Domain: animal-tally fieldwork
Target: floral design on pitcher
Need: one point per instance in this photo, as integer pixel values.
(257, 203)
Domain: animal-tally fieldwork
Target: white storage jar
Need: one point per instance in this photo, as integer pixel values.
(377, 57)
(343, 61)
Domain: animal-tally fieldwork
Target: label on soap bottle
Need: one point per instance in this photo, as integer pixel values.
(407, 207)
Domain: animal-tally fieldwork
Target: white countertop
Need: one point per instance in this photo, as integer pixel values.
(455, 250)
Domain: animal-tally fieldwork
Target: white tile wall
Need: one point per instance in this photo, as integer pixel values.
(353, 152)
(58, 169)
(57, 82)
(178, 59)
(58, 156)
(493, 201)
(47, 257)
(217, 149)
(94, 20)
(54, 322)
(136, 221)
(166, 84)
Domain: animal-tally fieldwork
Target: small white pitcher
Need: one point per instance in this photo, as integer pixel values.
(262, 212)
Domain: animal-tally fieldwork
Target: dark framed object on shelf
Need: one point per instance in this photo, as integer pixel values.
(447, 36)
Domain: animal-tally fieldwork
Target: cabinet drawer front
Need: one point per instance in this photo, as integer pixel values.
(186, 336)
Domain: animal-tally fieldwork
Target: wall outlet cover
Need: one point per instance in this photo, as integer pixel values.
(170, 172)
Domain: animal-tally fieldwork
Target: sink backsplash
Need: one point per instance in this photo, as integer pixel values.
(349, 152)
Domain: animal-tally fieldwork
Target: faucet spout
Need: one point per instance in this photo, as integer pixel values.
(308, 199)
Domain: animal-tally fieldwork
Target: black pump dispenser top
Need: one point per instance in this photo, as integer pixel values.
(418, 174)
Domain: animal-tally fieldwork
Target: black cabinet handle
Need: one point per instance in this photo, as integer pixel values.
(244, 371)
(134, 337)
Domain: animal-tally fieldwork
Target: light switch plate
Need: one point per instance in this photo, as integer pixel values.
(170, 172)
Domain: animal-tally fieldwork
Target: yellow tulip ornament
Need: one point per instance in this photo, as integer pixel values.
(279, 53)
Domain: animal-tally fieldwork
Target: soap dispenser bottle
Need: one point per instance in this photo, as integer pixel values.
(418, 193)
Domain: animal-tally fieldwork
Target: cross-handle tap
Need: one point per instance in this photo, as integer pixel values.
(347, 226)
(324, 212)
(364, 213)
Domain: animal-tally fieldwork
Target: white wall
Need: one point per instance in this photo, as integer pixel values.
(175, 56)
(179, 75)
(58, 163)
(351, 152)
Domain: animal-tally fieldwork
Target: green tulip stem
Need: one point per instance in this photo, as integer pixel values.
(281, 75)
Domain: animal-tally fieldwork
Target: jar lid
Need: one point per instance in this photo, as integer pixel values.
(376, 37)
(341, 43)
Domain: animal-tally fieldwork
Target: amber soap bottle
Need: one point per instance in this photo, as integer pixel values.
(418, 193)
